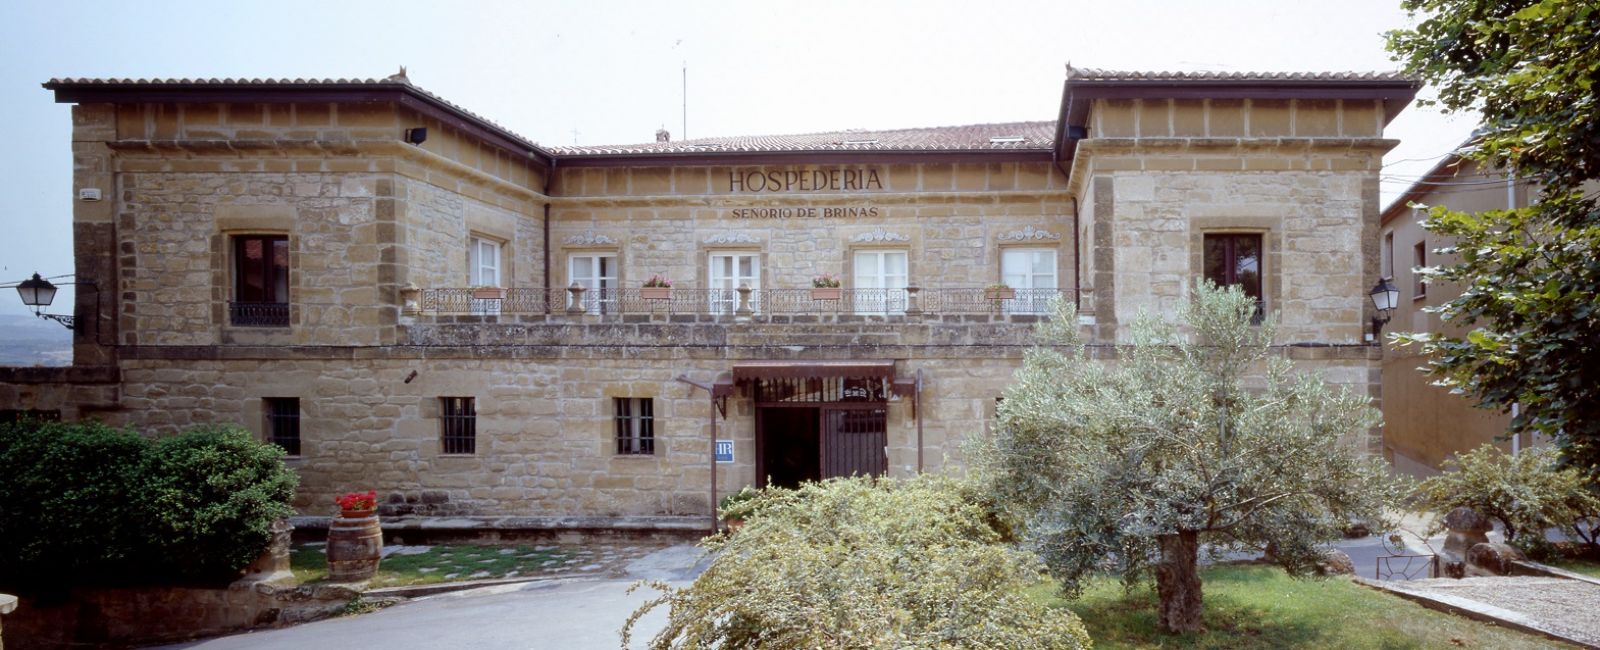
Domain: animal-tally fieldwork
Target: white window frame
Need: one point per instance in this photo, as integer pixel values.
(599, 278)
(485, 270)
(865, 282)
(1034, 288)
(723, 278)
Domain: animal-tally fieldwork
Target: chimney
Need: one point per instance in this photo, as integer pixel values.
(663, 136)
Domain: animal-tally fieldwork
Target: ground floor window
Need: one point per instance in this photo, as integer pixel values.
(283, 423)
(635, 419)
(458, 425)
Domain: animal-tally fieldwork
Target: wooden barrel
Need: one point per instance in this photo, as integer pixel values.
(354, 547)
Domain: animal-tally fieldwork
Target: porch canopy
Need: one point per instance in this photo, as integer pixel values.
(747, 371)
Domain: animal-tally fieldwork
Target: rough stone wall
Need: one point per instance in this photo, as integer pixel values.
(952, 219)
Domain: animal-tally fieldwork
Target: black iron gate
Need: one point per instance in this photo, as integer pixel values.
(854, 441)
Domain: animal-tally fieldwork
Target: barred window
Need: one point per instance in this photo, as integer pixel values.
(458, 425)
(283, 422)
(635, 425)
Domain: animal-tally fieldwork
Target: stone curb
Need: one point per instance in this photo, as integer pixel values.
(1478, 611)
(531, 524)
(418, 591)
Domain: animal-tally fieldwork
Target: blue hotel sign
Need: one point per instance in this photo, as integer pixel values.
(724, 451)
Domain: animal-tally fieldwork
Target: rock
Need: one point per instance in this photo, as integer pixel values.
(1457, 570)
(1494, 559)
(1357, 530)
(1467, 529)
(1335, 562)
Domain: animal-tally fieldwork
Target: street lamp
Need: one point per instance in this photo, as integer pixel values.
(37, 292)
(1384, 296)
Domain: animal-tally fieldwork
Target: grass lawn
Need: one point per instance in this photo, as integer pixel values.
(1261, 607)
(1586, 567)
(438, 564)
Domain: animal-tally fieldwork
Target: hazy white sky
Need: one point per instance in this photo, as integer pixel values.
(597, 72)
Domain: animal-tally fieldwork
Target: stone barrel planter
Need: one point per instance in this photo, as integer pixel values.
(355, 543)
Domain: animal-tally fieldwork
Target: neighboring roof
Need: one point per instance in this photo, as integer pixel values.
(1445, 169)
(1095, 74)
(1037, 135)
(396, 87)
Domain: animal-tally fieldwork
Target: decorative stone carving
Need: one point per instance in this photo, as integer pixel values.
(879, 235)
(732, 238)
(590, 238)
(1029, 233)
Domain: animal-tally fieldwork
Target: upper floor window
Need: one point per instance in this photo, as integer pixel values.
(260, 281)
(483, 262)
(1235, 259)
(880, 278)
(1032, 272)
(282, 416)
(458, 425)
(597, 274)
(636, 431)
(728, 272)
(1419, 259)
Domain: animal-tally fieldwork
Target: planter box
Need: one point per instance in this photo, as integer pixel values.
(489, 293)
(655, 293)
(825, 293)
(997, 293)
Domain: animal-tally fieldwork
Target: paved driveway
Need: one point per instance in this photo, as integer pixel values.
(562, 614)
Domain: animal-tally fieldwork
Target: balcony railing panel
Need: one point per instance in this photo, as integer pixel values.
(735, 302)
(258, 314)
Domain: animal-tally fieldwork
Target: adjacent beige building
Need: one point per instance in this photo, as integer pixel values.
(1424, 424)
(415, 300)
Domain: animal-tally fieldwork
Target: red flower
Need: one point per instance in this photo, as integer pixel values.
(358, 500)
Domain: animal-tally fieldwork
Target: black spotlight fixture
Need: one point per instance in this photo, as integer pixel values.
(417, 135)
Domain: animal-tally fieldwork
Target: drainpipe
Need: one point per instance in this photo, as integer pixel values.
(550, 175)
(1077, 246)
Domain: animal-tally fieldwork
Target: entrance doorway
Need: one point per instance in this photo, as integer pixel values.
(809, 443)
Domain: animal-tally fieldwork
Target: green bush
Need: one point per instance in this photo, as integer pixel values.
(86, 504)
(863, 563)
(1525, 493)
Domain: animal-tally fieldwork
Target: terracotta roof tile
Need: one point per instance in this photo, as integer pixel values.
(1038, 135)
(1095, 74)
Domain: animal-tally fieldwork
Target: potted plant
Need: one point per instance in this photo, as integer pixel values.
(735, 507)
(999, 291)
(656, 288)
(825, 287)
(484, 292)
(357, 504)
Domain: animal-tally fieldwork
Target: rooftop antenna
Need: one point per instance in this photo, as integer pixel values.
(685, 134)
(574, 136)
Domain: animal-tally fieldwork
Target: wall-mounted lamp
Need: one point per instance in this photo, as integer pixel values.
(1384, 296)
(37, 292)
(417, 135)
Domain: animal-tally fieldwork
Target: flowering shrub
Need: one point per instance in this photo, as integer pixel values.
(657, 281)
(358, 500)
(825, 281)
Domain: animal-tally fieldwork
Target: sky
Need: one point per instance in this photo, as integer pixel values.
(598, 72)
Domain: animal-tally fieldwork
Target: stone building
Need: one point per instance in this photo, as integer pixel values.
(413, 299)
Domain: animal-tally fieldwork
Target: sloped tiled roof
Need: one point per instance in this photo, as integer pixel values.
(1038, 135)
(1095, 74)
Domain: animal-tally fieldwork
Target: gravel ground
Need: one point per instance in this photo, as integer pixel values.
(1568, 604)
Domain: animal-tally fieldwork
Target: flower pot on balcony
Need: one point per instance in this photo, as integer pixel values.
(655, 293)
(999, 293)
(489, 293)
(825, 293)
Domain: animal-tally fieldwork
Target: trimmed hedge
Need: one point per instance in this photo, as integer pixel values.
(86, 504)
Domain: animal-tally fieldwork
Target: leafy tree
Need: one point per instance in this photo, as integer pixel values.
(1196, 435)
(863, 563)
(1529, 274)
(1526, 493)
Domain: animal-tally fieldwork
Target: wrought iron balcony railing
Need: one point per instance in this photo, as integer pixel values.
(258, 314)
(739, 302)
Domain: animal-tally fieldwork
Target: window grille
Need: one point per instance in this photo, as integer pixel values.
(635, 426)
(283, 423)
(458, 425)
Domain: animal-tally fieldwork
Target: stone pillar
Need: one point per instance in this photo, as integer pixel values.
(94, 236)
(575, 300)
(744, 311)
(913, 301)
(1467, 529)
(410, 300)
(273, 565)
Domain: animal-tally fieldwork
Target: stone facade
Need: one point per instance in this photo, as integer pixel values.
(381, 326)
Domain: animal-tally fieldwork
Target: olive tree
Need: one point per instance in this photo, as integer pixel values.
(1195, 434)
